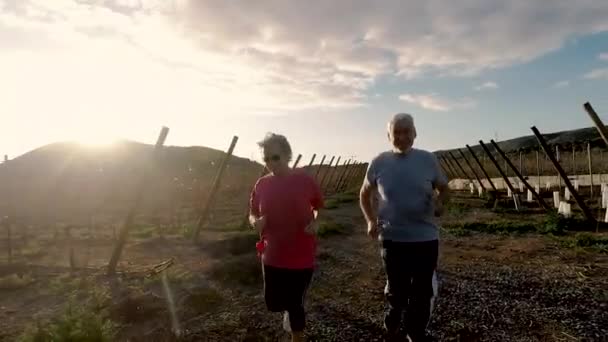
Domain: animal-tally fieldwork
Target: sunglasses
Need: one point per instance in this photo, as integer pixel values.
(274, 157)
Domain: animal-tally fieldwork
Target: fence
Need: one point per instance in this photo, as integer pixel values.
(561, 174)
(155, 202)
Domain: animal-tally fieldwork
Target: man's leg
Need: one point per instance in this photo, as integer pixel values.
(419, 308)
(397, 285)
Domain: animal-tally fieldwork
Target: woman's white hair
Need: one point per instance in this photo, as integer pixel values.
(400, 117)
(279, 140)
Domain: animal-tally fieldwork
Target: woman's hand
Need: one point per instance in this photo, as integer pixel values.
(258, 223)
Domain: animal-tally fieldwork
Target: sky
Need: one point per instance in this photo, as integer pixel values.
(327, 74)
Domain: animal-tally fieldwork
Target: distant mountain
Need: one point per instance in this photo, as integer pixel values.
(69, 179)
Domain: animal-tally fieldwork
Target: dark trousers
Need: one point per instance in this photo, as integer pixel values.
(409, 268)
(284, 290)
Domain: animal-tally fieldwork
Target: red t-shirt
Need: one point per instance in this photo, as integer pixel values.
(287, 202)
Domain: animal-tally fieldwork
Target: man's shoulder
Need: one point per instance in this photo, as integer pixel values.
(382, 156)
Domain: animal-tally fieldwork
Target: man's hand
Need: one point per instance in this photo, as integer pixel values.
(372, 229)
(439, 208)
(259, 223)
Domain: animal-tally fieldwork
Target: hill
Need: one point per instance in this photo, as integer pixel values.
(66, 179)
(564, 139)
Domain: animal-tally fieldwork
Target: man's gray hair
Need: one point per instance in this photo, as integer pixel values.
(279, 140)
(400, 117)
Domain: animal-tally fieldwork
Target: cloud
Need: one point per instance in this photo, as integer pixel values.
(603, 56)
(434, 102)
(487, 85)
(561, 84)
(597, 74)
(275, 56)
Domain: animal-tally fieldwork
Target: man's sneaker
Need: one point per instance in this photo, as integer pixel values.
(286, 323)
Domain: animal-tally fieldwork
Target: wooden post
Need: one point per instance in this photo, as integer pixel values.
(504, 176)
(597, 121)
(348, 179)
(443, 168)
(214, 187)
(330, 177)
(472, 169)
(138, 198)
(538, 169)
(295, 164)
(319, 168)
(245, 222)
(454, 167)
(574, 173)
(483, 170)
(521, 165)
(564, 176)
(449, 165)
(557, 156)
(466, 175)
(9, 240)
(520, 176)
(312, 160)
(328, 171)
(341, 178)
(446, 170)
(590, 169)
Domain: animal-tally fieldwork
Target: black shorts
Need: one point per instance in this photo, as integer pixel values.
(285, 290)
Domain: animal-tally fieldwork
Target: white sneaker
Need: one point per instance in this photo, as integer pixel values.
(286, 324)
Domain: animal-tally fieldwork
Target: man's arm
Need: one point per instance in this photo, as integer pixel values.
(367, 207)
(365, 201)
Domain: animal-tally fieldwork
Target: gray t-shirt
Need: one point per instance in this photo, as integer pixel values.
(405, 191)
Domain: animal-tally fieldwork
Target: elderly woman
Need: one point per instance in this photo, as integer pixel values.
(284, 208)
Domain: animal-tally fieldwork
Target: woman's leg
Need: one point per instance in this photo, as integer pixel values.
(299, 281)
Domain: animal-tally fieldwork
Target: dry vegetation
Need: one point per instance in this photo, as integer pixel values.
(504, 277)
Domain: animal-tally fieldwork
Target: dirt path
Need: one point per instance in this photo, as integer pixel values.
(492, 288)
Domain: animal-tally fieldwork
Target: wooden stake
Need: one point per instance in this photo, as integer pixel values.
(491, 157)
(520, 176)
(312, 160)
(9, 240)
(564, 176)
(538, 169)
(295, 164)
(330, 177)
(472, 170)
(327, 171)
(590, 169)
(343, 175)
(205, 210)
(597, 121)
(483, 170)
(319, 168)
(138, 198)
(459, 166)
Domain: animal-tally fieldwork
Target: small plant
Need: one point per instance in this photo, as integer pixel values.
(328, 228)
(244, 270)
(331, 204)
(204, 299)
(14, 281)
(590, 240)
(75, 324)
(459, 232)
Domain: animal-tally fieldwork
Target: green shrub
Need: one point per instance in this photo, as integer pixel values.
(75, 324)
(329, 228)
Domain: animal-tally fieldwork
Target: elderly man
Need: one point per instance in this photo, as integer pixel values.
(410, 190)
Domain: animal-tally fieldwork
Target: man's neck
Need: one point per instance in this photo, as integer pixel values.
(402, 152)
